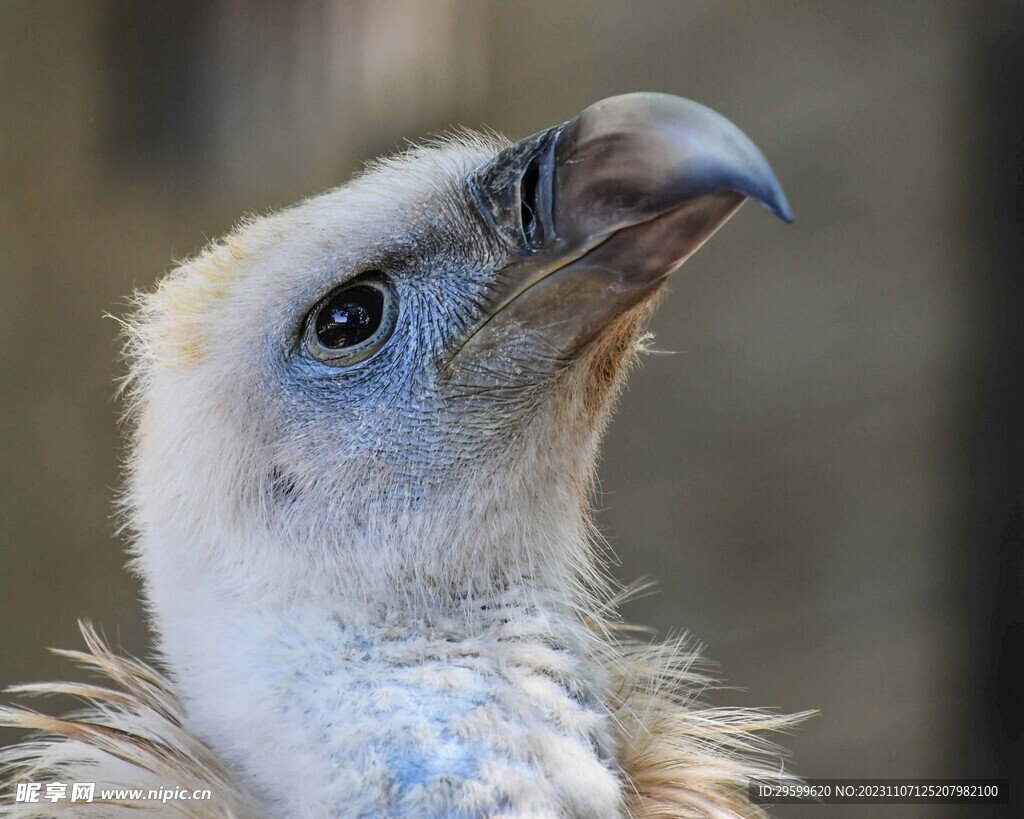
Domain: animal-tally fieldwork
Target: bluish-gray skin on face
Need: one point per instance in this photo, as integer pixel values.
(397, 405)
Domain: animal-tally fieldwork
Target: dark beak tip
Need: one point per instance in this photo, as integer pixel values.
(779, 205)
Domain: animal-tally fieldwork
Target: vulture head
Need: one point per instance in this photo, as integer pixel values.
(364, 440)
(396, 390)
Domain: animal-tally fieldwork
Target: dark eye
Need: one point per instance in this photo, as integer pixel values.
(350, 317)
(353, 322)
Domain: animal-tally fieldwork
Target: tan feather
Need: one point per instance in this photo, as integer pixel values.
(134, 736)
(682, 758)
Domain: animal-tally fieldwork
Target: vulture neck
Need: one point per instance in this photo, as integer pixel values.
(466, 668)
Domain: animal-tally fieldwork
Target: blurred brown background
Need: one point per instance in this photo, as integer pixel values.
(822, 479)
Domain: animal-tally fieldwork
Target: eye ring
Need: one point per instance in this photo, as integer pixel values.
(352, 322)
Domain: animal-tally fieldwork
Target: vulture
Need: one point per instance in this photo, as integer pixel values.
(362, 461)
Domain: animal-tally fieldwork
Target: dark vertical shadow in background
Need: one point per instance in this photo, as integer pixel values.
(990, 564)
(159, 108)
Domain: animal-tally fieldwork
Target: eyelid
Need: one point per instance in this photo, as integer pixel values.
(349, 356)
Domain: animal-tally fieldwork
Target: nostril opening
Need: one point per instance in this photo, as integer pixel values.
(529, 208)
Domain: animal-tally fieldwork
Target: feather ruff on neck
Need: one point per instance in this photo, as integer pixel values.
(678, 757)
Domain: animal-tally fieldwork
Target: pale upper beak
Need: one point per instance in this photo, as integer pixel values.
(598, 211)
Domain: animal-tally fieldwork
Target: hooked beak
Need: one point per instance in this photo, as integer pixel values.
(598, 211)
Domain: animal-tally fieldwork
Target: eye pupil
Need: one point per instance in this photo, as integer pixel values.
(350, 317)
